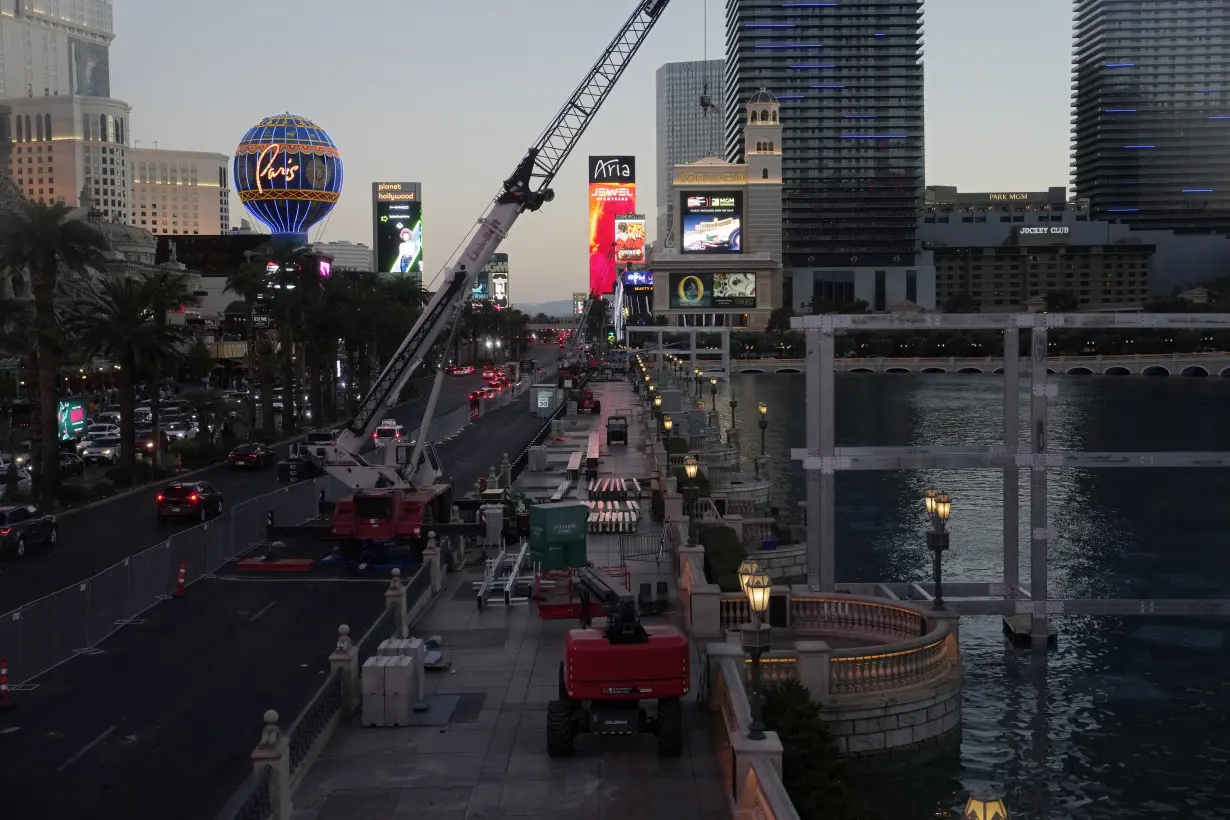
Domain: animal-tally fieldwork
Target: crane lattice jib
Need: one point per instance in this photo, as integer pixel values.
(525, 190)
(565, 130)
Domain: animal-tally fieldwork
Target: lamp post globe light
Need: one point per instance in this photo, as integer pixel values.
(939, 507)
(747, 569)
(691, 494)
(985, 804)
(668, 424)
(757, 642)
(764, 424)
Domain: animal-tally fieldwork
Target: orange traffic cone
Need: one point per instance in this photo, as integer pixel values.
(179, 585)
(6, 697)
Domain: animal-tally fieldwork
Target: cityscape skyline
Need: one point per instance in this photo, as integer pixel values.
(977, 136)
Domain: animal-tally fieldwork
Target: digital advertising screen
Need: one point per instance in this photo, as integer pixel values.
(70, 419)
(480, 291)
(712, 290)
(499, 289)
(638, 280)
(712, 222)
(630, 239)
(399, 237)
(612, 191)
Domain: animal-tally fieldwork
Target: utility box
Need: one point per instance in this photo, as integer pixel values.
(557, 534)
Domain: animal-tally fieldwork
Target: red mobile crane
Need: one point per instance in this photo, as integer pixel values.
(402, 497)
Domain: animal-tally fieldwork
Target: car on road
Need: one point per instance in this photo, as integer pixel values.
(321, 438)
(388, 431)
(68, 465)
(95, 432)
(463, 370)
(25, 483)
(102, 451)
(180, 430)
(251, 455)
(189, 499)
(22, 525)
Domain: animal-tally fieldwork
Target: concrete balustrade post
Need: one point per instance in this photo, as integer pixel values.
(431, 558)
(706, 611)
(274, 751)
(735, 522)
(345, 660)
(395, 600)
(505, 473)
(672, 505)
(813, 665)
(952, 648)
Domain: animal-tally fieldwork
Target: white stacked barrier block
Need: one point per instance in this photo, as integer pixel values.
(398, 699)
(372, 681)
(416, 651)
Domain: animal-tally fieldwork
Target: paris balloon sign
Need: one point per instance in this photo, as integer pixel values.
(288, 174)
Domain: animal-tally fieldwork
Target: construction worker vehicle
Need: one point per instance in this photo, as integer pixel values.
(609, 671)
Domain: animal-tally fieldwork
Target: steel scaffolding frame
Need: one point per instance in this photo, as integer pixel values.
(821, 459)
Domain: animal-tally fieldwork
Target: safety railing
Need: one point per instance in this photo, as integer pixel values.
(315, 720)
(45, 633)
(885, 668)
(252, 800)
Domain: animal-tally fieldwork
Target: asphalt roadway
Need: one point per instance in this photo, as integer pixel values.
(161, 721)
(97, 537)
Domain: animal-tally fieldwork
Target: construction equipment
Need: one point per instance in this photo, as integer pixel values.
(409, 482)
(587, 403)
(617, 430)
(607, 673)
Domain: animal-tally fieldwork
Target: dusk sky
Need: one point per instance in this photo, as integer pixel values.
(451, 94)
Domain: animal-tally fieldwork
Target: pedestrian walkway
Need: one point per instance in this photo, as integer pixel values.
(489, 762)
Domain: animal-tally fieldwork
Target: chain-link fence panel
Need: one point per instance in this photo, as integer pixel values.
(218, 542)
(53, 628)
(110, 601)
(247, 527)
(11, 639)
(150, 571)
(189, 554)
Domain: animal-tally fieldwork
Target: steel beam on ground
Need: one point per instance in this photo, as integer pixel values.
(922, 322)
(995, 458)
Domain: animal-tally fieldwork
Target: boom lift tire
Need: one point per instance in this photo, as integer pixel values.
(670, 727)
(563, 689)
(597, 408)
(560, 730)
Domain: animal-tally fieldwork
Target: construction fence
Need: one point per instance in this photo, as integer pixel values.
(47, 632)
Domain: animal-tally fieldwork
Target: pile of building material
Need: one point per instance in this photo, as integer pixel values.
(393, 682)
(614, 489)
(613, 516)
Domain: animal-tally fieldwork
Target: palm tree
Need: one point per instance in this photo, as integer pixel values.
(248, 283)
(42, 251)
(120, 323)
(167, 291)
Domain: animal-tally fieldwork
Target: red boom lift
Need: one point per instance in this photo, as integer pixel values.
(607, 672)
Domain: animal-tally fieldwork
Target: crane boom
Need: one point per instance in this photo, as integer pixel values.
(527, 189)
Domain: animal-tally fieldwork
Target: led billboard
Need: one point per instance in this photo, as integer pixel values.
(612, 191)
(638, 280)
(712, 290)
(712, 222)
(399, 237)
(499, 289)
(630, 239)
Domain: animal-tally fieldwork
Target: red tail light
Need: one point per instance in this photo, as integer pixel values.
(194, 498)
(374, 436)
(160, 497)
(397, 435)
(6, 530)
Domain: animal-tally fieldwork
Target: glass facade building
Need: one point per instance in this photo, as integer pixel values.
(850, 79)
(686, 131)
(1151, 112)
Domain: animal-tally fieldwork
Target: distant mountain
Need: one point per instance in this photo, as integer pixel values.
(562, 308)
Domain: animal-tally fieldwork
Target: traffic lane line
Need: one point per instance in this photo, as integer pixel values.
(101, 537)
(187, 691)
(86, 748)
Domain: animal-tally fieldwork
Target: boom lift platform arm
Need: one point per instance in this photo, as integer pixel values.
(527, 189)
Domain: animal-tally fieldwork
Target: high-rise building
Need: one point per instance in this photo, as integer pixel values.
(62, 145)
(1151, 112)
(850, 80)
(689, 128)
(181, 193)
(50, 48)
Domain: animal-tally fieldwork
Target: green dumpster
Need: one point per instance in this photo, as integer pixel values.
(557, 535)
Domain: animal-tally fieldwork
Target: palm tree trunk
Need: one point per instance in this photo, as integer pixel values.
(47, 405)
(266, 388)
(286, 355)
(128, 410)
(253, 366)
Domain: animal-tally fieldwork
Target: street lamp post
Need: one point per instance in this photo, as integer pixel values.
(734, 421)
(698, 375)
(668, 424)
(764, 424)
(713, 393)
(939, 507)
(757, 642)
(691, 494)
(657, 413)
(985, 804)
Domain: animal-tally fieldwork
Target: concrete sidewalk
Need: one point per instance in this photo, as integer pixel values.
(490, 760)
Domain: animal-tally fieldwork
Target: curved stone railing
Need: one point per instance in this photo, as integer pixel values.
(859, 671)
(847, 616)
